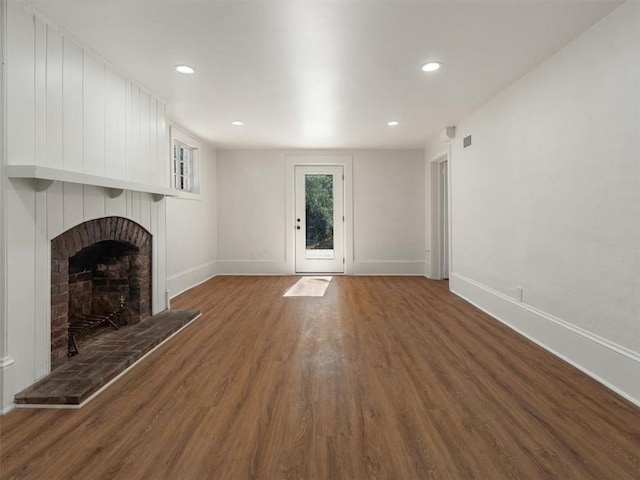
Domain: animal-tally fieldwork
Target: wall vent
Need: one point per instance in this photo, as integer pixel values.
(466, 141)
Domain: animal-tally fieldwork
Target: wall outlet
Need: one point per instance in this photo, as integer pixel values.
(519, 294)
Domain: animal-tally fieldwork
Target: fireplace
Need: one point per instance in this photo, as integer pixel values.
(100, 279)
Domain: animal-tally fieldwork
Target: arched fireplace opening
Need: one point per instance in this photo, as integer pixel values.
(100, 279)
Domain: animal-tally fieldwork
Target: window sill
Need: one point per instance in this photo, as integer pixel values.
(186, 195)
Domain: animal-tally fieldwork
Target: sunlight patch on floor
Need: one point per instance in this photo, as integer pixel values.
(309, 287)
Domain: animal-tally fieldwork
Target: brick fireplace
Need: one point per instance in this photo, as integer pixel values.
(95, 268)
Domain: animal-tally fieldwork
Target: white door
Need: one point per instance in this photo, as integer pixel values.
(319, 219)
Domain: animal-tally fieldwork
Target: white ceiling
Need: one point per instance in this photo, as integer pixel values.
(320, 74)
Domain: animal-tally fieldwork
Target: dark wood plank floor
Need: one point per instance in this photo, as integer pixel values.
(384, 377)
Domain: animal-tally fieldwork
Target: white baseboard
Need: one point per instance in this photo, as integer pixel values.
(387, 267)
(183, 281)
(612, 365)
(6, 385)
(363, 267)
(253, 267)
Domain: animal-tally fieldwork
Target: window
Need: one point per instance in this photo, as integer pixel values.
(184, 162)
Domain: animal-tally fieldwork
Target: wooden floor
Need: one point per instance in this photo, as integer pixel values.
(383, 377)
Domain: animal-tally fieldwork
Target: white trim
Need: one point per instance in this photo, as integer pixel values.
(388, 267)
(187, 279)
(386, 261)
(179, 134)
(45, 176)
(323, 158)
(433, 260)
(364, 267)
(335, 263)
(249, 260)
(112, 381)
(6, 384)
(253, 267)
(614, 366)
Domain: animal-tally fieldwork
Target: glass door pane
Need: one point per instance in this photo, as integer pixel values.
(319, 217)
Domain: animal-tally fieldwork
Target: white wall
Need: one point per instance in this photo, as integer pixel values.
(192, 229)
(548, 199)
(67, 109)
(388, 206)
(388, 211)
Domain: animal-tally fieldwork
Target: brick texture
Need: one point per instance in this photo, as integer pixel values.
(93, 265)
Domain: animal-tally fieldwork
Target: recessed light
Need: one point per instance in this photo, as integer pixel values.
(237, 123)
(187, 70)
(393, 123)
(431, 66)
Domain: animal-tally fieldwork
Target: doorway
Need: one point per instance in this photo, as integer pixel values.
(443, 206)
(440, 223)
(319, 219)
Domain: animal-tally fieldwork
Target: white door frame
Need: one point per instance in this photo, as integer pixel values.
(434, 270)
(293, 159)
(335, 264)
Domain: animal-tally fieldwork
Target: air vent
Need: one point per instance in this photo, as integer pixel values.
(466, 141)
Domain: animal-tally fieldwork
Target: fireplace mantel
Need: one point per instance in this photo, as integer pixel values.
(45, 176)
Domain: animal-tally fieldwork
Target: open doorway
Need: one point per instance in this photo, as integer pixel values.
(440, 264)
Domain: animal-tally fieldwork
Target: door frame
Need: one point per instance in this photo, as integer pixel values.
(434, 256)
(321, 159)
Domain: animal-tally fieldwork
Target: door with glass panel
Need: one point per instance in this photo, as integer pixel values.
(319, 219)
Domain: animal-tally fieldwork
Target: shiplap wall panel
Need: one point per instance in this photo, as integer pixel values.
(67, 109)
(161, 246)
(157, 295)
(115, 124)
(72, 205)
(21, 273)
(146, 199)
(72, 106)
(42, 304)
(116, 207)
(54, 98)
(20, 87)
(134, 129)
(55, 210)
(145, 135)
(93, 202)
(163, 147)
(153, 138)
(93, 116)
(135, 206)
(40, 95)
(129, 204)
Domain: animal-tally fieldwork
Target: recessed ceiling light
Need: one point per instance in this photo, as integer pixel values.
(237, 123)
(187, 70)
(431, 66)
(393, 123)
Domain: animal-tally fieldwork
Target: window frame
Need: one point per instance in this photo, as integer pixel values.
(189, 174)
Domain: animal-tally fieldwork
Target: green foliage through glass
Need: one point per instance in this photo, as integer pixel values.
(319, 211)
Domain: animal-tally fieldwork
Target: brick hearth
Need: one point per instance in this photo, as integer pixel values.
(103, 358)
